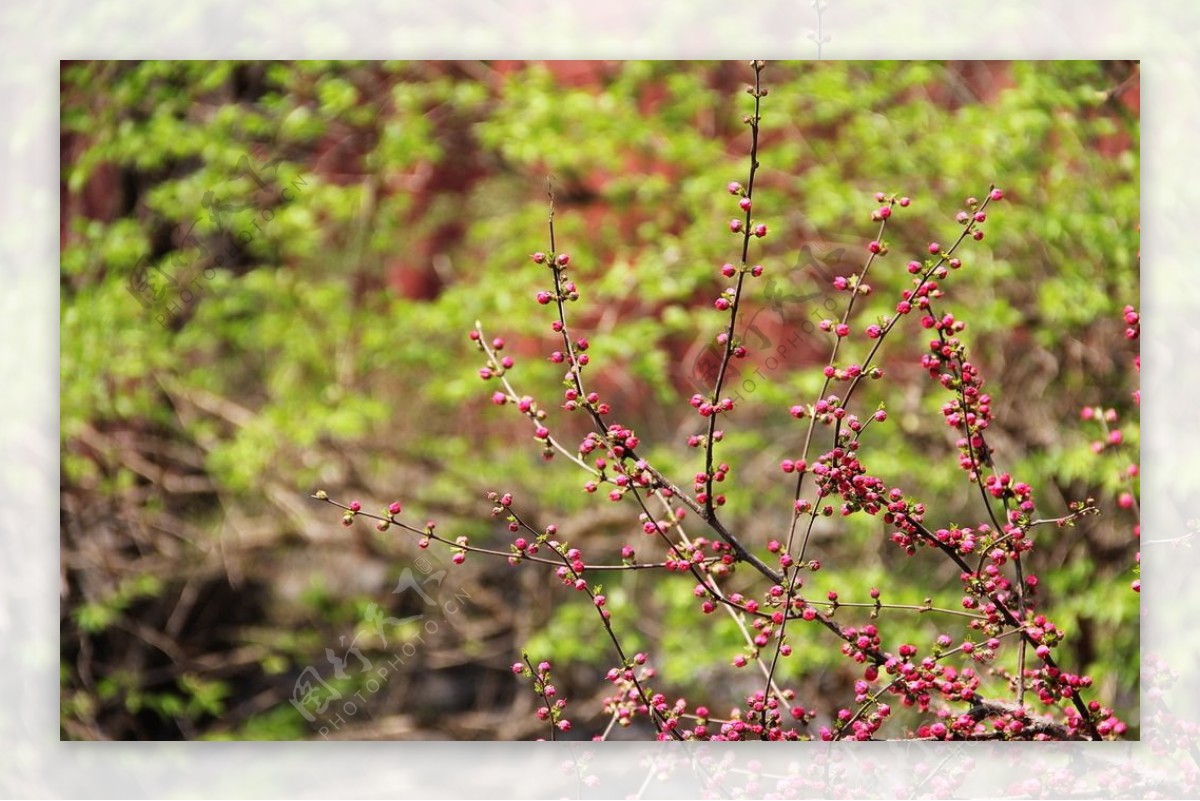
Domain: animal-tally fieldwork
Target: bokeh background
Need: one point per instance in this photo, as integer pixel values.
(338, 228)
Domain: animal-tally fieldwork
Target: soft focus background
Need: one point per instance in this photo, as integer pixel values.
(339, 227)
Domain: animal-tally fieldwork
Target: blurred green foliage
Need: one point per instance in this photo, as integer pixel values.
(340, 226)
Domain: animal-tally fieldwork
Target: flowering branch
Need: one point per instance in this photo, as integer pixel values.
(999, 599)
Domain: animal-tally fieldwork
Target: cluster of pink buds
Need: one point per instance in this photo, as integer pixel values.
(496, 365)
(626, 702)
(1133, 321)
(553, 708)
